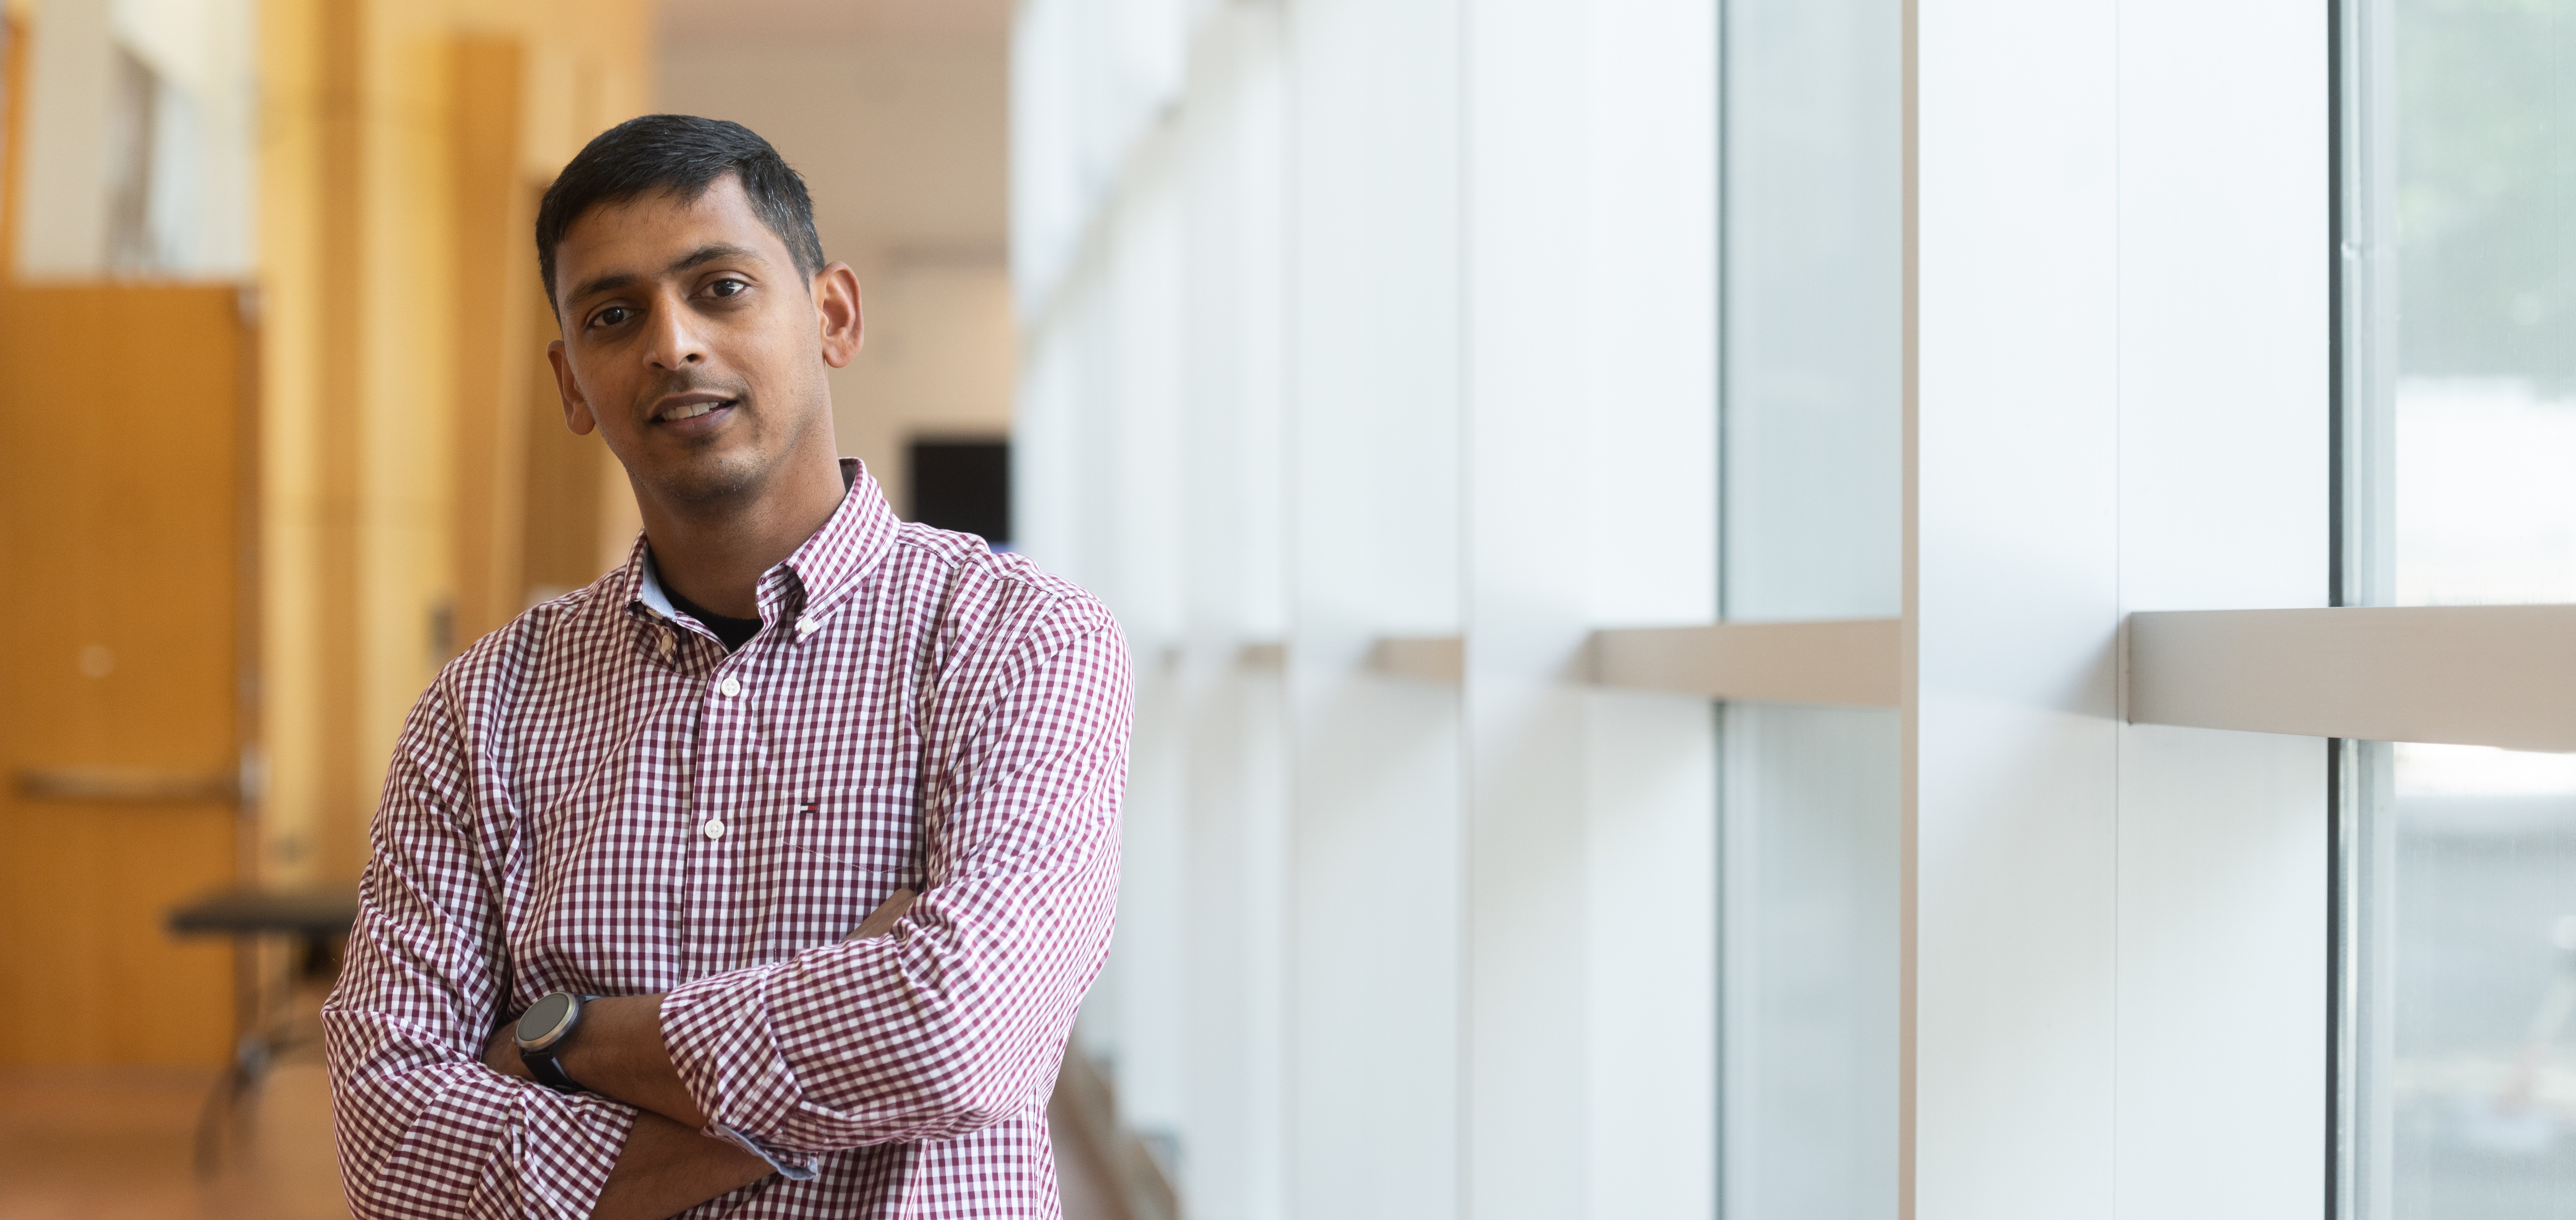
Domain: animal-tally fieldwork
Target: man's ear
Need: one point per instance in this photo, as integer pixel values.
(836, 298)
(576, 408)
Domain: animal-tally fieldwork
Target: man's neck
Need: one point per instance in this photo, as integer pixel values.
(715, 557)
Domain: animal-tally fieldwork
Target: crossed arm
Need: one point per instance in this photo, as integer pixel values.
(665, 1167)
(927, 1034)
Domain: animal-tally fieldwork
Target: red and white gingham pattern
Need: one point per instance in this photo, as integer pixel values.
(916, 711)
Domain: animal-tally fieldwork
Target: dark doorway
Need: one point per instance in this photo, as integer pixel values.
(963, 486)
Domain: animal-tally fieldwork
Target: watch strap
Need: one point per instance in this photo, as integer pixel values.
(542, 1063)
(542, 1066)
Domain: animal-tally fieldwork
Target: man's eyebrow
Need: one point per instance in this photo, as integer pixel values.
(711, 253)
(614, 280)
(595, 285)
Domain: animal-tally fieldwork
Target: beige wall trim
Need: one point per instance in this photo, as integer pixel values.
(1850, 662)
(1268, 656)
(2464, 675)
(1423, 658)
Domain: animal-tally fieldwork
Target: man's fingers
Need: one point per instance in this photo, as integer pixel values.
(881, 920)
(501, 1051)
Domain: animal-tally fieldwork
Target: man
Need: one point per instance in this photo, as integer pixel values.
(629, 842)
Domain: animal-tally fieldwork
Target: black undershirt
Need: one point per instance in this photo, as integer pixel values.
(735, 632)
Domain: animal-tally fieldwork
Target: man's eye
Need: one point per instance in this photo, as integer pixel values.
(726, 288)
(610, 316)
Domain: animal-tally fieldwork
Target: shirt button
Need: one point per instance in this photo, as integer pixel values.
(804, 626)
(714, 828)
(730, 687)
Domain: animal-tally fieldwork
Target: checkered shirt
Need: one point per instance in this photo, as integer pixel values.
(599, 799)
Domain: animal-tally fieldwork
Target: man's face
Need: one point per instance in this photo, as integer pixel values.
(694, 345)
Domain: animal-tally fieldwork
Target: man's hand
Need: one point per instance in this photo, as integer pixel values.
(616, 1052)
(666, 1167)
(501, 1054)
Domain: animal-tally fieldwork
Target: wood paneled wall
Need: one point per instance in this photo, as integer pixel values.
(406, 144)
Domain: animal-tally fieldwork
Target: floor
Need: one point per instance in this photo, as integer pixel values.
(115, 1144)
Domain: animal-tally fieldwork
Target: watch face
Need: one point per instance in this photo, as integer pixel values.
(545, 1019)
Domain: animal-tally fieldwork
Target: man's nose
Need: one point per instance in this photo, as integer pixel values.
(676, 342)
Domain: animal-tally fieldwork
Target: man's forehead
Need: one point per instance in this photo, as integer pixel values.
(642, 235)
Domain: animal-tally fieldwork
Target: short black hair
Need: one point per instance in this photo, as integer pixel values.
(685, 155)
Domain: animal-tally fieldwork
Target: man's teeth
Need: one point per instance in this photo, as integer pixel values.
(691, 411)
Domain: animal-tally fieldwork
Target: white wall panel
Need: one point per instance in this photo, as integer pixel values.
(1233, 1153)
(1646, 500)
(1526, 72)
(1590, 411)
(1650, 934)
(2015, 601)
(1377, 888)
(2223, 503)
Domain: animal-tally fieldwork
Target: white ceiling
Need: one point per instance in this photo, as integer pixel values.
(975, 19)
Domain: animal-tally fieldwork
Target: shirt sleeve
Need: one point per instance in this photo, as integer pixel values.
(425, 1129)
(955, 1020)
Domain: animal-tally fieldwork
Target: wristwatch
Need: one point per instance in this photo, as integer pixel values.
(544, 1032)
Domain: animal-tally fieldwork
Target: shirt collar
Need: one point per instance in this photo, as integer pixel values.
(826, 568)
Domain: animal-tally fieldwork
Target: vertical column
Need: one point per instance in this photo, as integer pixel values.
(2013, 608)
(1590, 500)
(1233, 157)
(2224, 436)
(338, 455)
(1646, 502)
(1376, 885)
(493, 327)
(1138, 416)
(1527, 75)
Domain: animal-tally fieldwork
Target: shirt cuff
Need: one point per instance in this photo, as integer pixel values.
(792, 1170)
(717, 1031)
(572, 1143)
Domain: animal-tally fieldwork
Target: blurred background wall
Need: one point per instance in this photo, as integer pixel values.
(353, 183)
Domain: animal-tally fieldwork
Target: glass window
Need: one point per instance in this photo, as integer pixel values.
(2466, 1105)
(2461, 247)
(2459, 417)
(1813, 415)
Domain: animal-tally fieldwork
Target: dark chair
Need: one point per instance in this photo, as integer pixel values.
(263, 1025)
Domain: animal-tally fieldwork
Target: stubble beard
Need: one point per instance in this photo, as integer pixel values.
(735, 475)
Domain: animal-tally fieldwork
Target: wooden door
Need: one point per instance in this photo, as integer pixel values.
(125, 623)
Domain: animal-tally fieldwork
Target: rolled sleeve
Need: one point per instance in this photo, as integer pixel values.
(425, 1128)
(958, 1017)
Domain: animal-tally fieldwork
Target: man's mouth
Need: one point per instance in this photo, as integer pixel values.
(691, 407)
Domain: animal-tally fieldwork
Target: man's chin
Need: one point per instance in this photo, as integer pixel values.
(710, 479)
